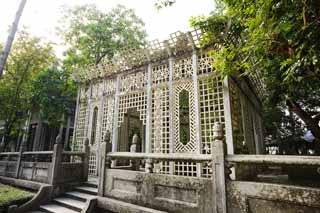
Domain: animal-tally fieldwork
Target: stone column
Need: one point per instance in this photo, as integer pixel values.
(76, 117)
(37, 138)
(218, 171)
(66, 140)
(196, 99)
(115, 116)
(86, 150)
(171, 107)
(56, 162)
(149, 111)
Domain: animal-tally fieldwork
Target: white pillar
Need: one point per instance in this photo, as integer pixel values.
(171, 114)
(76, 118)
(115, 116)
(149, 111)
(196, 107)
(227, 116)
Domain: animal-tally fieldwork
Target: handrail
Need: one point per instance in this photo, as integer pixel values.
(38, 153)
(73, 153)
(160, 156)
(9, 153)
(274, 159)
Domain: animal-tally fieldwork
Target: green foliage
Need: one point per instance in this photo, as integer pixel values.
(9, 194)
(53, 94)
(92, 34)
(28, 56)
(279, 39)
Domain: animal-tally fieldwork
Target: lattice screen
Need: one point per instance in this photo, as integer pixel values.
(133, 81)
(191, 145)
(182, 68)
(134, 100)
(80, 127)
(211, 108)
(92, 163)
(107, 120)
(160, 74)
(160, 126)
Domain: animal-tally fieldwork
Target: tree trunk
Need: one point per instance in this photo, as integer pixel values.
(6, 50)
(312, 123)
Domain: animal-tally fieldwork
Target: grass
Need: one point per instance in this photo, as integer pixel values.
(9, 194)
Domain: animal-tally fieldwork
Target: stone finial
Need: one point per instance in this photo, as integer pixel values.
(58, 139)
(135, 144)
(86, 142)
(107, 137)
(217, 131)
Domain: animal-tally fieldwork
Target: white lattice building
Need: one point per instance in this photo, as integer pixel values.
(170, 96)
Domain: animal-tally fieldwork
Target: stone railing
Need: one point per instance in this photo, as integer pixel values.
(51, 167)
(224, 192)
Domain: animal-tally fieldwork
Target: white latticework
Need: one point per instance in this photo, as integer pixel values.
(134, 100)
(190, 146)
(211, 108)
(133, 81)
(182, 68)
(160, 74)
(92, 164)
(107, 120)
(204, 64)
(109, 86)
(80, 127)
(160, 126)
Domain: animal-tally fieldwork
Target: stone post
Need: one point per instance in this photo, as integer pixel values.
(105, 148)
(218, 171)
(149, 166)
(134, 148)
(86, 150)
(56, 162)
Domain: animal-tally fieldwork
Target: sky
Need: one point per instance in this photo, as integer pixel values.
(41, 16)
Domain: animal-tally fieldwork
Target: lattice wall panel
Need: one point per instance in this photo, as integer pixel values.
(185, 169)
(135, 100)
(107, 120)
(182, 68)
(160, 74)
(191, 145)
(109, 86)
(160, 126)
(133, 81)
(80, 127)
(92, 164)
(204, 64)
(211, 108)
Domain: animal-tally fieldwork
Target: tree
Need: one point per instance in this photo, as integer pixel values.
(53, 94)
(279, 39)
(29, 55)
(92, 34)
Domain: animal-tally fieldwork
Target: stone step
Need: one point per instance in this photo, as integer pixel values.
(70, 203)
(54, 208)
(80, 195)
(87, 189)
(91, 184)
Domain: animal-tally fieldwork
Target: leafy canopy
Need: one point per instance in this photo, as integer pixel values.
(92, 34)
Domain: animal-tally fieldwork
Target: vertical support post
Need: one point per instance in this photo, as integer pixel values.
(86, 150)
(104, 149)
(218, 171)
(171, 107)
(18, 163)
(87, 120)
(56, 162)
(227, 115)
(37, 137)
(196, 98)
(149, 110)
(115, 117)
(66, 140)
(76, 118)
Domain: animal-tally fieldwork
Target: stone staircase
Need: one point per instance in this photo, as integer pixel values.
(72, 201)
